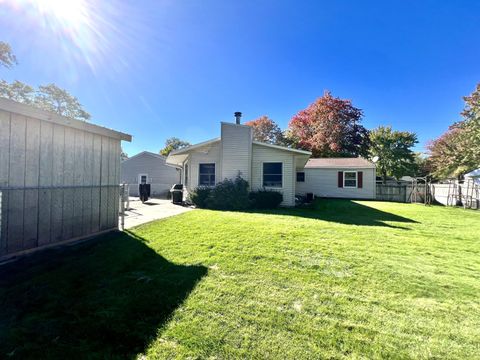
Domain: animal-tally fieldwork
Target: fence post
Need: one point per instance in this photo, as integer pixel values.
(122, 206)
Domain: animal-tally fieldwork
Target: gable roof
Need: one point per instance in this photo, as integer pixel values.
(474, 173)
(146, 153)
(339, 163)
(193, 147)
(303, 152)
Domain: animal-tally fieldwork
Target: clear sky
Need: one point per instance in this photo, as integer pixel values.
(157, 69)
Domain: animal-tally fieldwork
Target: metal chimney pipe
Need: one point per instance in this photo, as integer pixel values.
(238, 115)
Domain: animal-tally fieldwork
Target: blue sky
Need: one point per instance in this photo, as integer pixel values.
(157, 69)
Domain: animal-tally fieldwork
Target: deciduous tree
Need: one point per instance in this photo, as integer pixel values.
(7, 58)
(329, 127)
(457, 151)
(393, 149)
(52, 98)
(266, 130)
(17, 91)
(173, 143)
(47, 97)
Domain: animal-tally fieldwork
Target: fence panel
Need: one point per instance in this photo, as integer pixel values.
(397, 193)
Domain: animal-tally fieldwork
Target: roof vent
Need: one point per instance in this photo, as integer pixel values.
(238, 115)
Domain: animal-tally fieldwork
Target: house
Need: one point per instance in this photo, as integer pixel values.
(264, 166)
(352, 178)
(58, 179)
(149, 168)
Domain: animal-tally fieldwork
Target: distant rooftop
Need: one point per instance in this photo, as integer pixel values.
(339, 163)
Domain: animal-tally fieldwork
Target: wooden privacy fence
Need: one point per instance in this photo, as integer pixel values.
(438, 193)
(396, 193)
(58, 178)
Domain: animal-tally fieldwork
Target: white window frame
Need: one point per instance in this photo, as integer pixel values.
(356, 179)
(283, 175)
(139, 179)
(215, 173)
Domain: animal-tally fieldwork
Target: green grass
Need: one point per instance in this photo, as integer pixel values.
(341, 280)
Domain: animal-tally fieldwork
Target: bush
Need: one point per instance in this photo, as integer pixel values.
(265, 199)
(226, 195)
(229, 195)
(234, 195)
(199, 197)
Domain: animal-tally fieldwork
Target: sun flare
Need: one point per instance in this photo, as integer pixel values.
(69, 13)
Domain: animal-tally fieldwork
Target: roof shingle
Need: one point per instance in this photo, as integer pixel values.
(339, 163)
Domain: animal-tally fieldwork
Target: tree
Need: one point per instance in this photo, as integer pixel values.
(456, 151)
(173, 143)
(17, 91)
(52, 98)
(266, 130)
(445, 155)
(421, 166)
(7, 58)
(48, 97)
(394, 151)
(123, 155)
(329, 127)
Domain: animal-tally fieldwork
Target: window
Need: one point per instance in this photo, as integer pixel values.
(142, 178)
(272, 174)
(350, 179)
(300, 176)
(206, 175)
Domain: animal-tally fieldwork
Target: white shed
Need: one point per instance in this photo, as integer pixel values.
(149, 168)
(352, 178)
(59, 179)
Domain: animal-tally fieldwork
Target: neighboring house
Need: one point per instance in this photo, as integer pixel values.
(149, 168)
(264, 166)
(352, 178)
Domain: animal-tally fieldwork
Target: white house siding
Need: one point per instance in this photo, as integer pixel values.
(160, 176)
(323, 182)
(207, 154)
(261, 154)
(236, 151)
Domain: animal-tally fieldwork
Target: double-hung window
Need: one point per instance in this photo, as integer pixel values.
(206, 175)
(273, 174)
(350, 179)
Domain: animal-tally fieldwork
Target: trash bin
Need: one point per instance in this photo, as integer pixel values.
(177, 193)
(144, 192)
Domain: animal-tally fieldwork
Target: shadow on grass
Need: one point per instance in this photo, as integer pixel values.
(105, 298)
(343, 211)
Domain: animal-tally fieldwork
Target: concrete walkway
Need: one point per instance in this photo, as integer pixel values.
(153, 209)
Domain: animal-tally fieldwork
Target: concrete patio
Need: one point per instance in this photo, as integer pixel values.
(151, 210)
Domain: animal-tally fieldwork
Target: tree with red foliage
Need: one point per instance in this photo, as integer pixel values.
(456, 151)
(329, 127)
(266, 130)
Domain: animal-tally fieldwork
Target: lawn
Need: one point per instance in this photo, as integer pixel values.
(343, 279)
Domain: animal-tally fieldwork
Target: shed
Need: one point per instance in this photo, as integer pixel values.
(352, 178)
(149, 168)
(59, 179)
